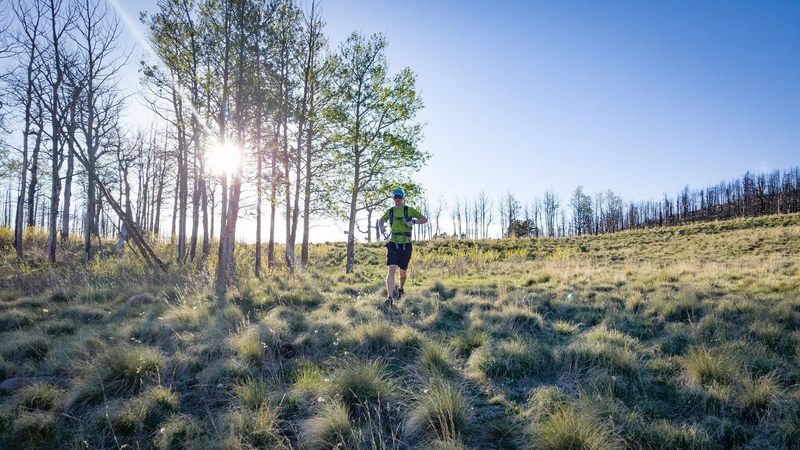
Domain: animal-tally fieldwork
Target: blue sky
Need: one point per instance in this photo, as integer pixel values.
(638, 97)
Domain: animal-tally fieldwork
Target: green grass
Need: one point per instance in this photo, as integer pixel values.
(513, 359)
(440, 412)
(359, 383)
(127, 369)
(329, 428)
(567, 429)
(674, 338)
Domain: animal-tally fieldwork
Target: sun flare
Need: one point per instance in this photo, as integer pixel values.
(224, 158)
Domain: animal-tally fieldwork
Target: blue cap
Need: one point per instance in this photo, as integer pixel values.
(399, 192)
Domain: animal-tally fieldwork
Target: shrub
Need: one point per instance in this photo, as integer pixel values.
(440, 412)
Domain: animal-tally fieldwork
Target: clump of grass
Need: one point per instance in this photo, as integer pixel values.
(61, 297)
(252, 393)
(704, 367)
(521, 318)
(25, 347)
(257, 428)
(512, 359)
(567, 429)
(329, 428)
(187, 317)
(685, 306)
(178, 432)
(545, 400)
(442, 318)
(440, 412)
(464, 343)
(250, 346)
(83, 314)
(441, 290)
(434, 359)
(60, 327)
(664, 435)
(407, 340)
(373, 338)
(141, 299)
(586, 355)
(34, 429)
(758, 394)
(451, 444)
(770, 333)
(306, 377)
(223, 372)
(565, 328)
(16, 319)
(361, 382)
(713, 329)
(146, 410)
(126, 369)
(39, 396)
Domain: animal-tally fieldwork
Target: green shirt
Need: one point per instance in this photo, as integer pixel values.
(399, 225)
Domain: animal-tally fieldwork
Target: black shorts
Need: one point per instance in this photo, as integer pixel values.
(398, 255)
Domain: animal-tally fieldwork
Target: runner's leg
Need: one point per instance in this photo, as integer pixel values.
(390, 281)
(402, 278)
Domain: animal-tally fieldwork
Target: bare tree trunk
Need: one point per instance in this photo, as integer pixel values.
(56, 156)
(259, 193)
(65, 219)
(351, 226)
(273, 199)
(172, 235)
(307, 187)
(35, 170)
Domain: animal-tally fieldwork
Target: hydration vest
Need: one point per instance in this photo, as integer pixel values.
(391, 222)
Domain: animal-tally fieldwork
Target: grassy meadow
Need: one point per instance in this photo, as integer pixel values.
(673, 338)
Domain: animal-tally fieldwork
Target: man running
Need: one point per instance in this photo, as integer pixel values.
(398, 250)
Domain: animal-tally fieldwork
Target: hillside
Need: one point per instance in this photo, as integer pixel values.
(671, 338)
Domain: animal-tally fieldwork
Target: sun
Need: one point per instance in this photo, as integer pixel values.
(224, 158)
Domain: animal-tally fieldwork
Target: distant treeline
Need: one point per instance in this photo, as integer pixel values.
(748, 196)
